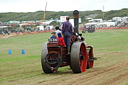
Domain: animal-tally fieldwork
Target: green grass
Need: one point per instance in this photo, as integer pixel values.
(19, 67)
(32, 44)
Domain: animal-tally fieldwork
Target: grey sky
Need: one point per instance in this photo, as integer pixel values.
(59, 5)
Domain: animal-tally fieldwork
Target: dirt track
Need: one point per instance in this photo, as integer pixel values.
(104, 73)
(7, 36)
(113, 75)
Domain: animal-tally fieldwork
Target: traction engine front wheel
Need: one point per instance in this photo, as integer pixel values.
(90, 57)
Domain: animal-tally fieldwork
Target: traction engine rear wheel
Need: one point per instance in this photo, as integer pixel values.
(78, 57)
(44, 52)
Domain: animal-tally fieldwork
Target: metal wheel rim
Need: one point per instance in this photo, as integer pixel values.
(43, 55)
(90, 63)
(77, 64)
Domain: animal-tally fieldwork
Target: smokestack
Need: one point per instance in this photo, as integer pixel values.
(76, 21)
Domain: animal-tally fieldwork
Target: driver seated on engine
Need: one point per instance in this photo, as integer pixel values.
(60, 40)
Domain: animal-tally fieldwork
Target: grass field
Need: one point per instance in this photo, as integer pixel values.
(111, 68)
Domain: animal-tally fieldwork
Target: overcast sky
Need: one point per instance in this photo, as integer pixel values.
(61, 5)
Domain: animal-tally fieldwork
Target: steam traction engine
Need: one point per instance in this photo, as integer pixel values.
(79, 58)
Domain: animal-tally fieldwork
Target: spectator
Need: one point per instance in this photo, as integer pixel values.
(2, 33)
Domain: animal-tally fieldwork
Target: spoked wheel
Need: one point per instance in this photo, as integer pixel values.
(78, 57)
(90, 62)
(50, 61)
(53, 60)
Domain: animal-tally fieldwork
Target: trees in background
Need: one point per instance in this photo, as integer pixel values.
(32, 16)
